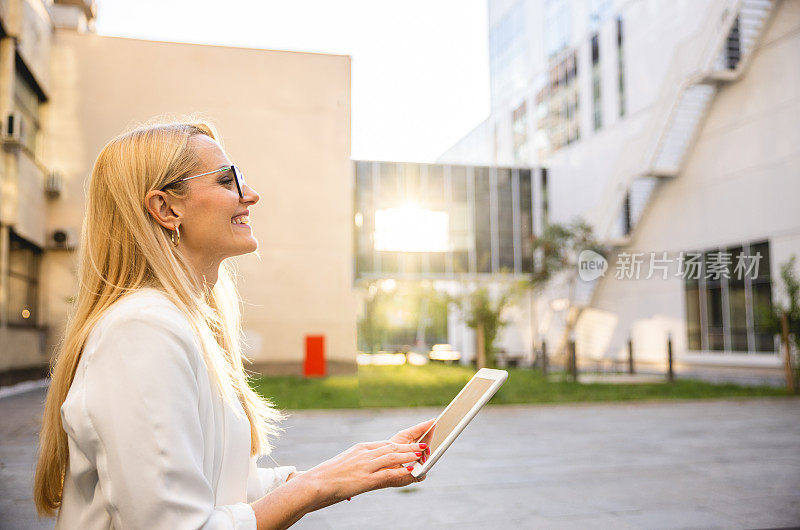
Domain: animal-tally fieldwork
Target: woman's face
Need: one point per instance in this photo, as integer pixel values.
(215, 221)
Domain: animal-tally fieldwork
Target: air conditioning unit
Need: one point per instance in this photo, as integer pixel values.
(53, 184)
(12, 128)
(62, 239)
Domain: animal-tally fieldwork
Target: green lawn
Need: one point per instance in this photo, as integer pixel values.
(436, 385)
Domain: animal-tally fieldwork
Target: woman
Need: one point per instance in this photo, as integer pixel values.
(149, 421)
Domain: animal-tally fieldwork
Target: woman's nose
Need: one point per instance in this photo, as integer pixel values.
(250, 195)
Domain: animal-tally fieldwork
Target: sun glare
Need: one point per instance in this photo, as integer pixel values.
(410, 228)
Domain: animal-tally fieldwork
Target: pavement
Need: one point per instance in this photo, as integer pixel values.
(695, 464)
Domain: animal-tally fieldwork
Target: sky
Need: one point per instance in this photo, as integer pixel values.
(420, 68)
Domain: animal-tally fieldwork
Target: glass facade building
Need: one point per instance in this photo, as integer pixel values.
(442, 221)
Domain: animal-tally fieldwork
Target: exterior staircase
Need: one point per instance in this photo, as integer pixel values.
(716, 55)
(702, 65)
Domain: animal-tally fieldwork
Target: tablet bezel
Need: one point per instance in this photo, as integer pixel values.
(498, 377)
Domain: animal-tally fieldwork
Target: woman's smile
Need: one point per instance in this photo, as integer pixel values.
(241, 220)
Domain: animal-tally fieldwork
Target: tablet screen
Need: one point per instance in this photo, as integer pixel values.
(476, 388)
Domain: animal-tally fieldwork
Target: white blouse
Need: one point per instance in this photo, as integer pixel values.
(151, 443)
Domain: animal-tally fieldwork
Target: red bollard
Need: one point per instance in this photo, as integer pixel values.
(315, 356)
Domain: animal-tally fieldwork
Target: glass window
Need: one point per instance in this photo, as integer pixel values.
(461, 237)
(505, 220)
(519, 121)
(465, 229)
(620, 68)
(561, 122)
(363, 218)
(596, 101)
(390, 191)
(737, 298)
(557, 25)
(26, 102)
(483, 230)
(728, 308)
(599, 10)
(508, 62)
(714, 306)
(762, 296)
(434, 186)
(693, 314)
(411, 179)
(526, 220)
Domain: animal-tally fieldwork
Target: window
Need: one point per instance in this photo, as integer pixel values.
(519, 120)
(26, 103)
(733, 46)
(559, 97)
(505, 220)
(596, 101)
(429, 219)
(483, 220)
(508, 53)
(23, 281)
(545, 200)
(526, 219)
(599, 10)
(557, 25)
(620, 68)
(728, 297)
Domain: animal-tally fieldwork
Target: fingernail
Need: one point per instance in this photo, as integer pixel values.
(410, 468)
(348, 498)
(418, 453)
(423, 446)
(427, 451)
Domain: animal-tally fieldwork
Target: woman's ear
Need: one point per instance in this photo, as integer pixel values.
(164, 208)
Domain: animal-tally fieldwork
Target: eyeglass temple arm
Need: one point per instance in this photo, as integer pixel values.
(225, 168)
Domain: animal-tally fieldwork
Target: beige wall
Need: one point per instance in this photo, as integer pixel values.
(284, 118)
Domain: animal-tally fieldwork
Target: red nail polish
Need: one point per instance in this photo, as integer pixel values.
(410, 468)
(348, 498)
(418, 453)
(423, 446)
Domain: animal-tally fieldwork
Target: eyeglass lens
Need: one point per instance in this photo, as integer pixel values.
(239, 180)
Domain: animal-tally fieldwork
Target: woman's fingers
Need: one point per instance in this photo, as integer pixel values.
(394, 459)
(396, 448)
(374, 445)
(412, 433)
(396, 477)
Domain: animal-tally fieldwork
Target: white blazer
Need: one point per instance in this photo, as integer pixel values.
(151, 443)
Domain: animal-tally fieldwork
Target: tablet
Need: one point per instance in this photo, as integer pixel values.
(475, 394)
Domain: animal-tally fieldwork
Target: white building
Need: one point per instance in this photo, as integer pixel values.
(672, 127)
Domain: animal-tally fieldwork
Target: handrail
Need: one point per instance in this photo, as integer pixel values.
(686, 68)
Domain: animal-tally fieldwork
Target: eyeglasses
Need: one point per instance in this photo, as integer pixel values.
(237, 173)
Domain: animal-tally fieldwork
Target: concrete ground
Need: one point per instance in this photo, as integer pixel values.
(714, 464)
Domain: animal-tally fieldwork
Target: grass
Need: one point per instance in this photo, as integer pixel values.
(436, 385)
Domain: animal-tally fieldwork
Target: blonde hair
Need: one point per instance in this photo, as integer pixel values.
(123, 249)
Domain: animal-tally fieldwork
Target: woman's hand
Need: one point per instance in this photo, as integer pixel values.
(364, 467)
(412, 434)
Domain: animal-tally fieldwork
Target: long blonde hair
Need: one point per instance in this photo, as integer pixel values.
(123, 249)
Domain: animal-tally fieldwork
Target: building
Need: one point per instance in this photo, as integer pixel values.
(672, 128)
(284, 118)
(451, 225)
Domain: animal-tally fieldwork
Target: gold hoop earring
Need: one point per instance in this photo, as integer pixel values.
(176, 240)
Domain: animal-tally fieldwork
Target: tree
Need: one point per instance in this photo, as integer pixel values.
(784, 318)
(485, 316)
(558, 248)
(556, 251)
